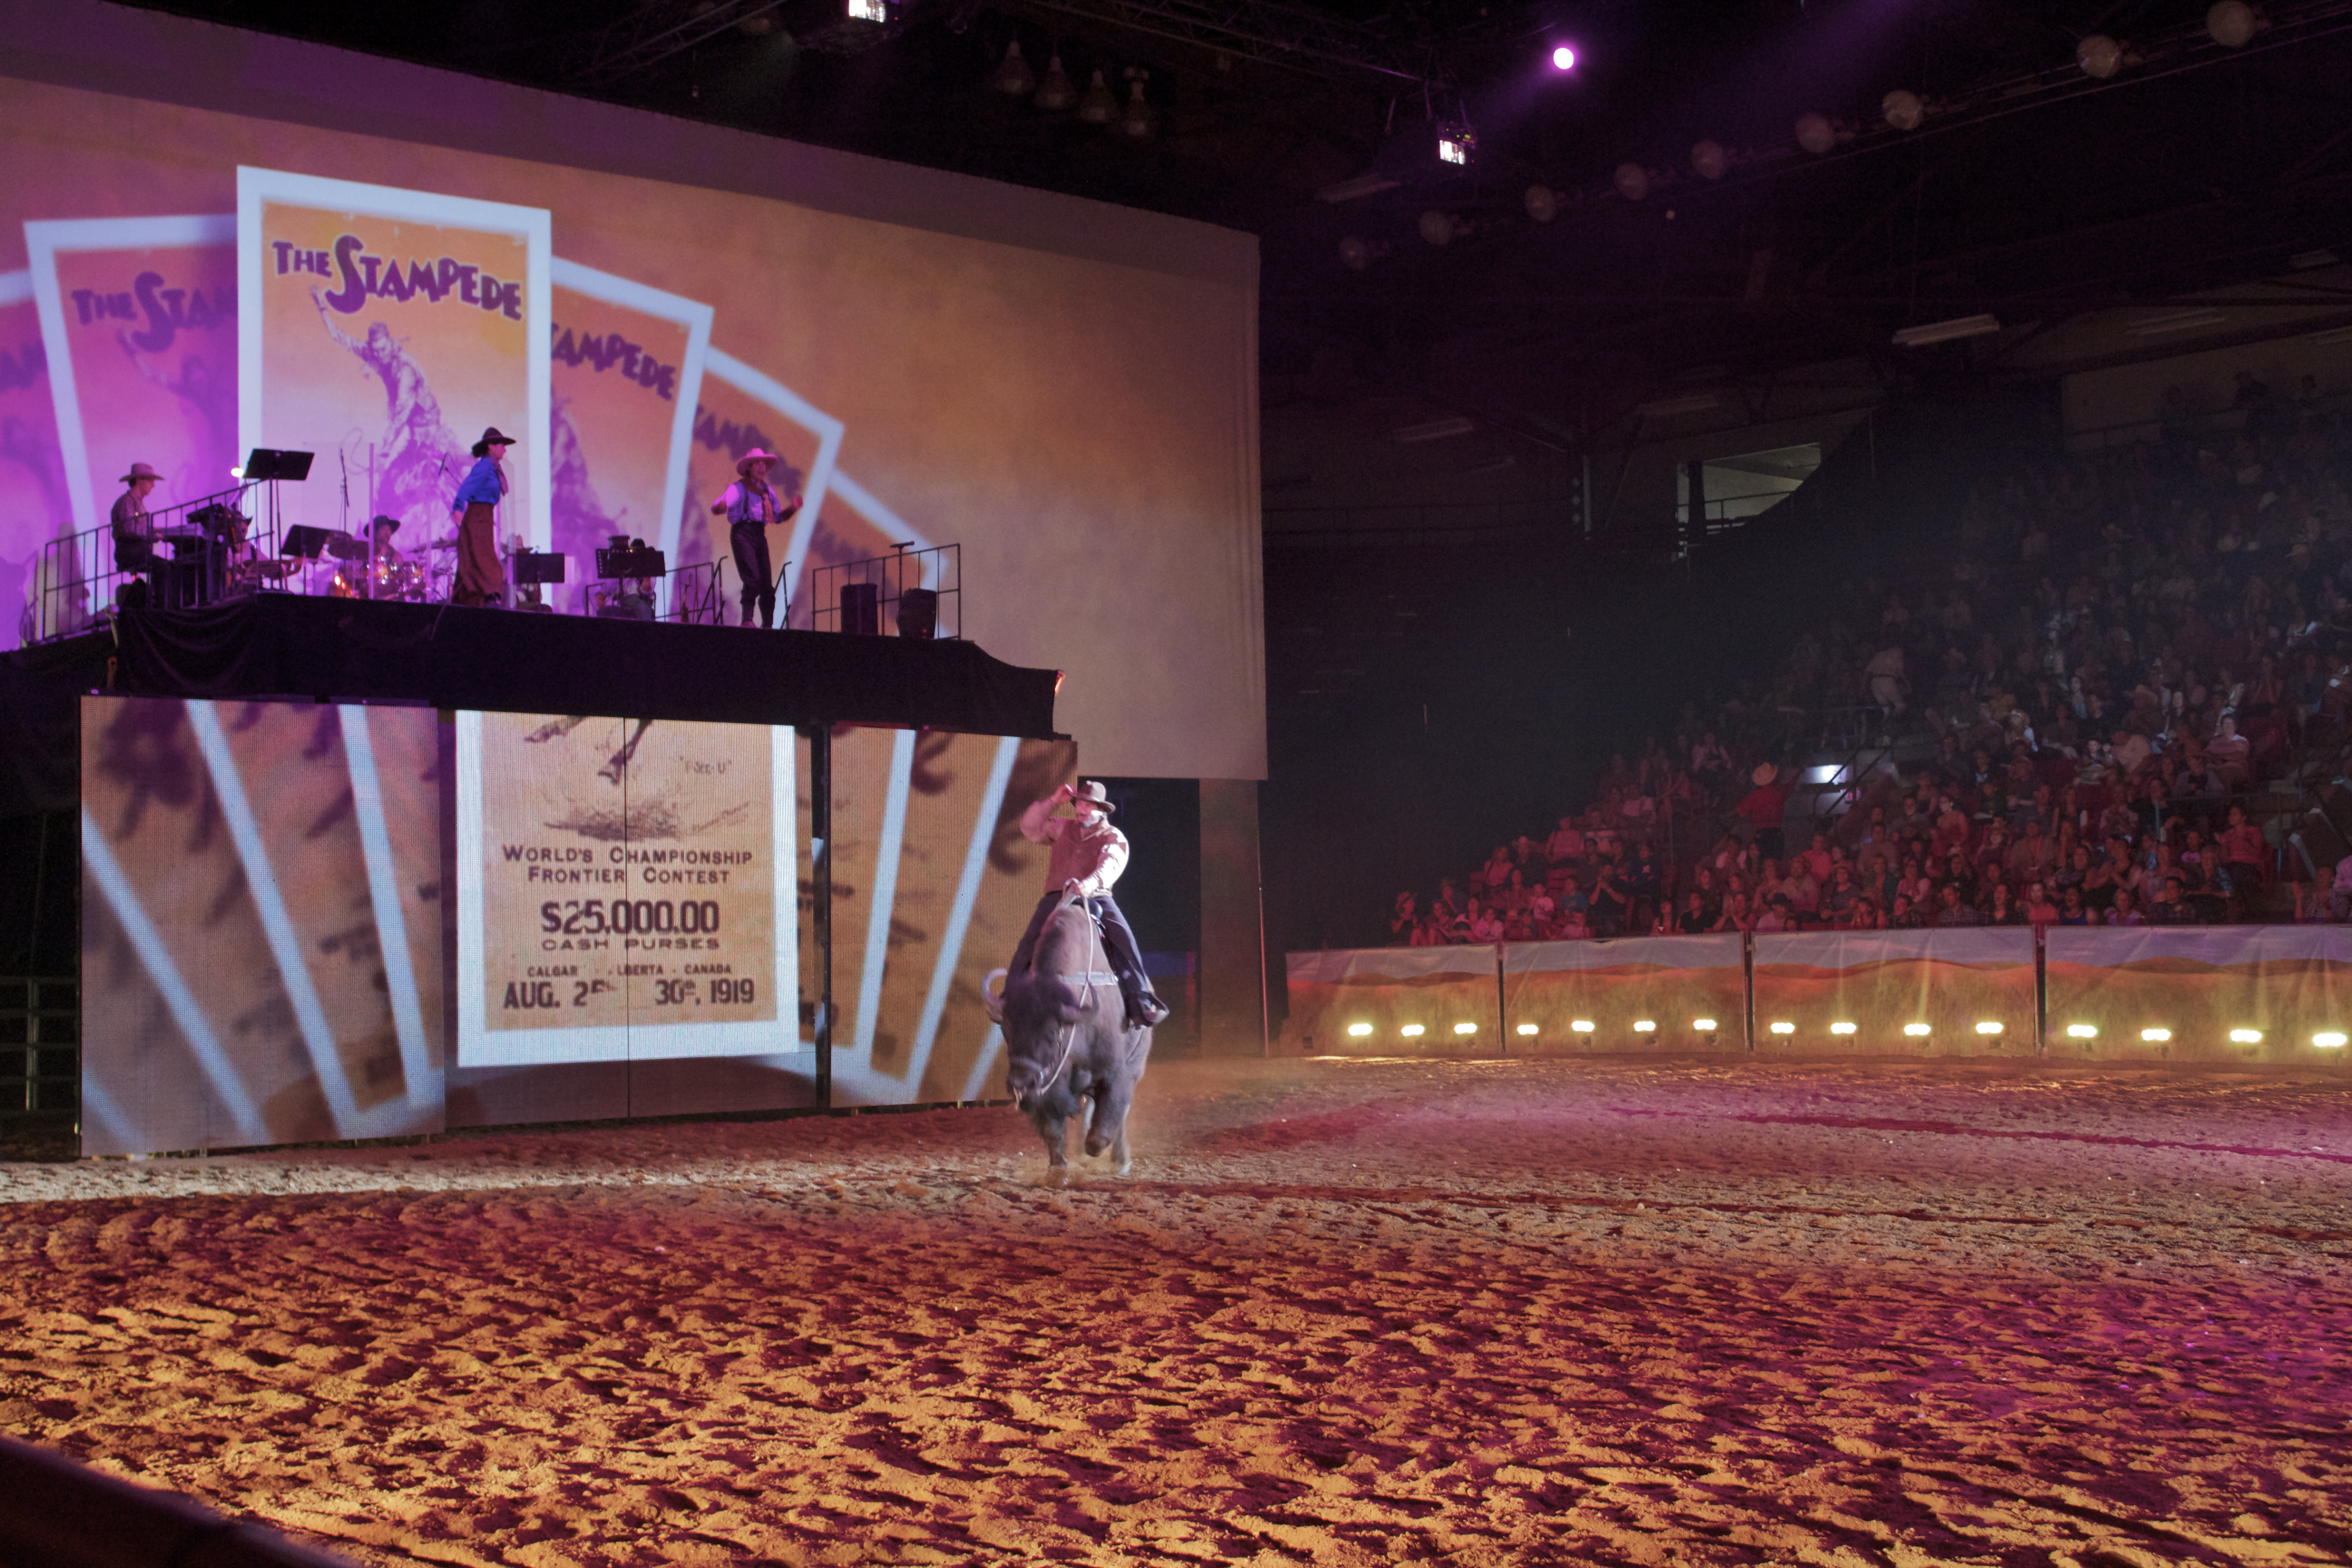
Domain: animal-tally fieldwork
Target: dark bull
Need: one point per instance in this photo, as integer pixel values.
(1070, 1053)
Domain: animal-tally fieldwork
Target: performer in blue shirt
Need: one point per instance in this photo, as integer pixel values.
(481, 576)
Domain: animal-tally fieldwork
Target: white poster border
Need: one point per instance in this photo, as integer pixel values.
(477, 1047)
(44, 240)
(535, 225)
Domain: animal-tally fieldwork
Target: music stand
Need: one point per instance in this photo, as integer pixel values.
(306, 542)
(269, 463)
(534, 567)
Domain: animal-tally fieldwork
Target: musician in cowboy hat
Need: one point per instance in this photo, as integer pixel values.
(752, 505)
(1091, 852)
(134, 531)
(481, 575)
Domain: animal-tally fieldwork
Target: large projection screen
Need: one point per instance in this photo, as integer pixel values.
(1064, 389)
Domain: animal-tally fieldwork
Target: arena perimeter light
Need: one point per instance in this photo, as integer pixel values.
(1360, 1030)
(1527, 1028)
(1412, 1031)
(1563, 58)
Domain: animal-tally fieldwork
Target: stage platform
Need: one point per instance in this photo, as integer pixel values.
(348, 650)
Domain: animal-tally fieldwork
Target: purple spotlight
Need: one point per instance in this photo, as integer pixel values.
(1563, 58)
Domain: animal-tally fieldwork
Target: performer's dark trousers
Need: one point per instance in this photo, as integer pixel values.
(481, 575)
(751, 541)
(1119, 943)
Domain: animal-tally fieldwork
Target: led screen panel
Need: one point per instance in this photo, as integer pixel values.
(261, 924)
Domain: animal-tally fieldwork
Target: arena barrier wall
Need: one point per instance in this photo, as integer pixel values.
(2258, 994)
(1631, 993)
(1394, 1001)
(2279, 994)
(1967, 992)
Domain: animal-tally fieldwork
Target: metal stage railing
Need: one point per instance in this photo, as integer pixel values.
(917, 592)
(203, 551)
(216, 549)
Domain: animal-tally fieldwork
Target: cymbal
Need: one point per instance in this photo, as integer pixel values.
(343, 547)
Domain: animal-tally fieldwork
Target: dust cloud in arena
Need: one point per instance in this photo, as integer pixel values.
(1501, 1312)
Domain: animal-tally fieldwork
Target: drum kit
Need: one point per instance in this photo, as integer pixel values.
(360, 572)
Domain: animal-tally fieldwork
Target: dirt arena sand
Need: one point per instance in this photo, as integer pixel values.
(1528, 1312)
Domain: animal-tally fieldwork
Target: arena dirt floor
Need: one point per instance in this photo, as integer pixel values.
(1343, 1312)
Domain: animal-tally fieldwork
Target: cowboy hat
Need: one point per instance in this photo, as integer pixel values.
(141, 471)
(386, 524)
(1092, 789)
(743, 464)
(493, 437)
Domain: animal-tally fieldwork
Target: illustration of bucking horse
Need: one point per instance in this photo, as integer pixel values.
(1068, 1047)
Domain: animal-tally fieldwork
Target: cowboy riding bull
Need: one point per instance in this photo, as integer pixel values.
(1066, 1044)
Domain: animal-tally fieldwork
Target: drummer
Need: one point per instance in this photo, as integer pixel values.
(387, 567)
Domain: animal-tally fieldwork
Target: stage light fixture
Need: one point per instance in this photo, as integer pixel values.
(1542, 203)
(1815, 134)
(1013, 78)
(1704, 1026)
(1581, 1025)
(1465, 1028)
(1527, 1028)
(1055, 93)
(2328, 1041)
(1097, 105)
(1412, 1031)
(2081, 1032)
(2246, 1037)
(1784, 1028)
(1917, 1031)
(1360, 1030)
(2099, 56)
(1138, 118)
(1645, 1026)
(1988, 1028)
(1456, 145)
(1841, 1027)
(1633, 182)
(1708, 160)
(2232, 23)
(1563, 58)
(1903, 108)
(2155, 1037)
(868, 11)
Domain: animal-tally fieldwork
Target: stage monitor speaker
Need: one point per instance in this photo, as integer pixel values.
(919, 614)
(861, 609)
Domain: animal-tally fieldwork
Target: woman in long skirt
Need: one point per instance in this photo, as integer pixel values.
(481, 576)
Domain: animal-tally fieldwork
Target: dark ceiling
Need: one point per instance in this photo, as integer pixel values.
(2031, 190)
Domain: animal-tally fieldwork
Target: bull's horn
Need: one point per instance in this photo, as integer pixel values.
(991, 997)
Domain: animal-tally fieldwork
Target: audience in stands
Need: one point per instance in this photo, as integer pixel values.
(2082, 712)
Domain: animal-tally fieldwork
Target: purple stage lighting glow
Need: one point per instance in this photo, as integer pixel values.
(1563, 58)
